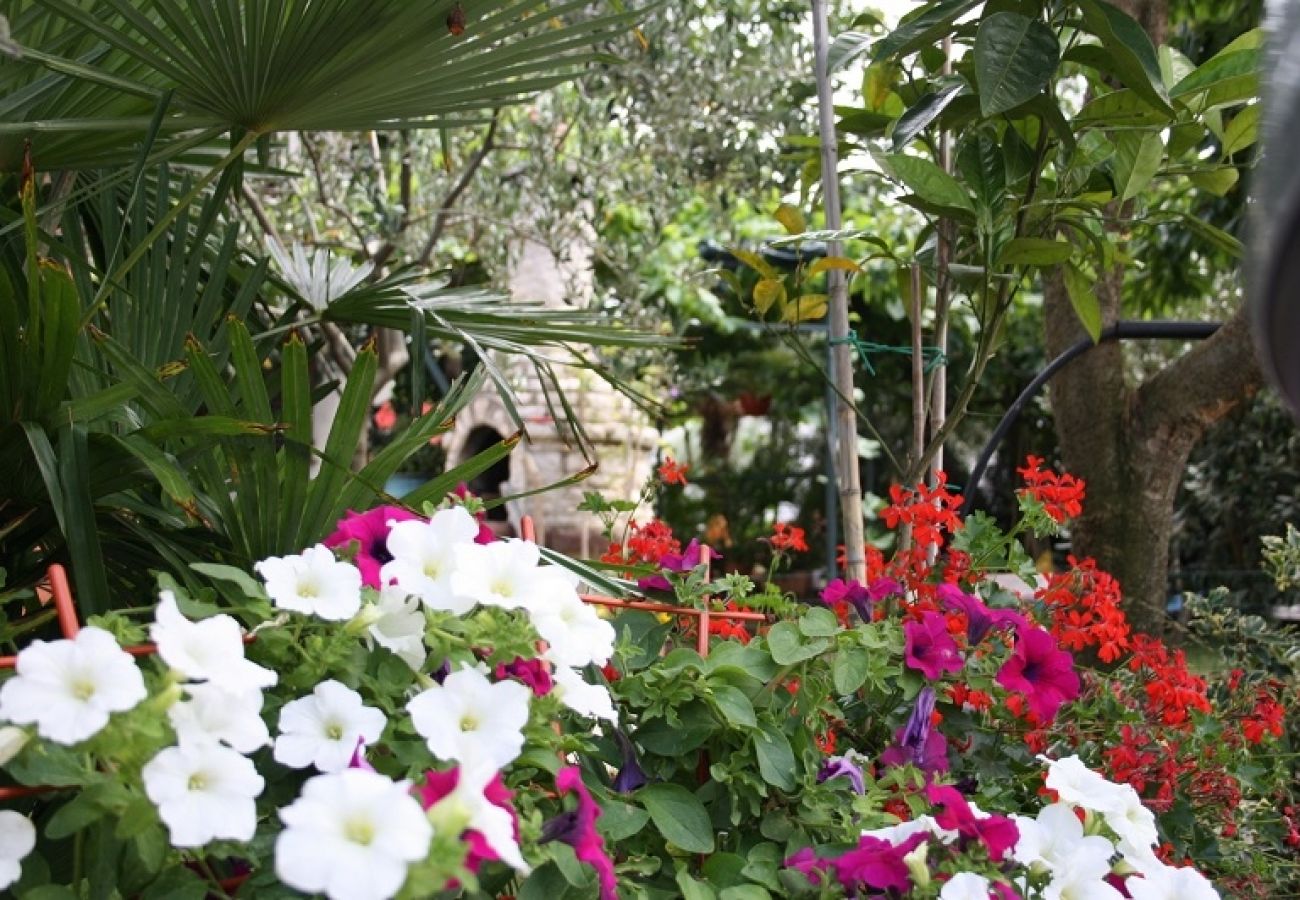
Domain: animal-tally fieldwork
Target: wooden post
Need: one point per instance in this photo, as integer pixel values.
(846, 455)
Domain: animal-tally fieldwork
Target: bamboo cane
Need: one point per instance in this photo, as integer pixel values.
(846, 454)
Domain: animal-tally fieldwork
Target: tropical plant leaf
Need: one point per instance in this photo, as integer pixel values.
(1015, 58)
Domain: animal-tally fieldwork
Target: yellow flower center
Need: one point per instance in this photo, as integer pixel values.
(468, 722)
(359, 831)
(198, 782)
(83, 688)
(333, 731)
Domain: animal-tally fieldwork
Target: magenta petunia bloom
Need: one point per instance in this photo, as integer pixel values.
(685, 561)
(438, 785)
(1041, 671)
(980, 618)
(578, 830)
(877, 863)
(998, 833)
(930, 649)
(369, 530)
(858, 595)
(813, 867)
(532, 672)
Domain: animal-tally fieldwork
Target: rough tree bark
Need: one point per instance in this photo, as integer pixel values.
(1130, 443)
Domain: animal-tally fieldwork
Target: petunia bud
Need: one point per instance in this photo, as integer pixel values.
(916, 863)
(12, 740)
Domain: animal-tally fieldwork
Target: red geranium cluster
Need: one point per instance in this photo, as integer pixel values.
(928, 511)
(1172, 691)
(672, 472)
(788, 539)
(645, 543)
(1083, 604)
(1061, 495)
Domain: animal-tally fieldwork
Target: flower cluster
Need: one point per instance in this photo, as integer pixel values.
(403, 586)
(1059, 496)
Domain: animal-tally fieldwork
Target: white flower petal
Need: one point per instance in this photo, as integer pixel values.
(315, 583)
(324, 729)
(203, 792)
(469, 719)
(17, 839)
(585, 699)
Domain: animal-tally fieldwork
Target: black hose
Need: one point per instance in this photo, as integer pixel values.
(1120, 331)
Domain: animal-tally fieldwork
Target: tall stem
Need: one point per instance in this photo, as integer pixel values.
(846, 455)
(942, 296)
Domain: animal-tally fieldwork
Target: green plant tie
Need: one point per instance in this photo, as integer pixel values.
(934, 357)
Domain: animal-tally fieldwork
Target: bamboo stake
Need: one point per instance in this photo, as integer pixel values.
(846, 454)
(942, 297)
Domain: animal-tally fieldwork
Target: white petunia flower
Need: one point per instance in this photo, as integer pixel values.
(897, 834)
(399, 625)
(68, 688)
(316, 583)
(1054, 841)
(504, 573)
(965, 886)
(1133, 824)
(1082, 879)
(471, 720)
(211, 649)
(324, 729)
(214, 714)
(1161, 882)
(351, 835)
(585, 699)
(574, 633)
(425, 557)
(1077, 784)
(468, 808)
(17, 839)
(204, 792)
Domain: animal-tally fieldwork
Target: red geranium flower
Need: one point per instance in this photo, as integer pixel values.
(671, 472)
(1061, 495)
(788, 538)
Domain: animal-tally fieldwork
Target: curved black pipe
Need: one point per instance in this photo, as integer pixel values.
(1120, 331)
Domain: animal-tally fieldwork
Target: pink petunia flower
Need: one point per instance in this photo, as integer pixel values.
(998, 833)
(918, 742)
(685, 561)
(369, 530)
(577, 828)
(438, 785)
(1041, 671)
(930, 649)
(532, 672)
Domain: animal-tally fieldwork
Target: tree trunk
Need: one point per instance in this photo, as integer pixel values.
(1131, 443)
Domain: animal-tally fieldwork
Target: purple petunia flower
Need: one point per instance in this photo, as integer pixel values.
(1041, 671)
(630, 775)
(930, 649)
(980, 619)
(685, 561)
(842, 767)
(918, 742)
(877, 863)
(578, 829)
(858, 595)
(370, 532)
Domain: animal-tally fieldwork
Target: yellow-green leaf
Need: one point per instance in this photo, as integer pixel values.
(754, 261)
(1217, 181)
(808, 308)
(826, 263)
(791, 219)
(1035, 252)
(767, 292)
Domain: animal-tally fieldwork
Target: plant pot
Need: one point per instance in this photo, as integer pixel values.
(752, 404)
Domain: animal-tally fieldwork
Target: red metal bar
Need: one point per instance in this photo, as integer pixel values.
(15, 792)
(63, 605)
(739, 615)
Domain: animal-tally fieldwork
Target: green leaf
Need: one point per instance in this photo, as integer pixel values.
(1217, 181)
(238, 577)
(1242, 131)
(679, 815)
(775, 757)
(1129, 51)
(1015, 58)
(787, 646)
(849, 671)
(1227, 77)
(745, 892)
(619, 821)
(924, 111)
(1035, 252)
(1084, 300)
(735, 706)
(922, 27)
(929, 182)
(1137, 159)
(78, 813)
(808, 308)
(980, 161)
(692, 889)
(819, 622)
